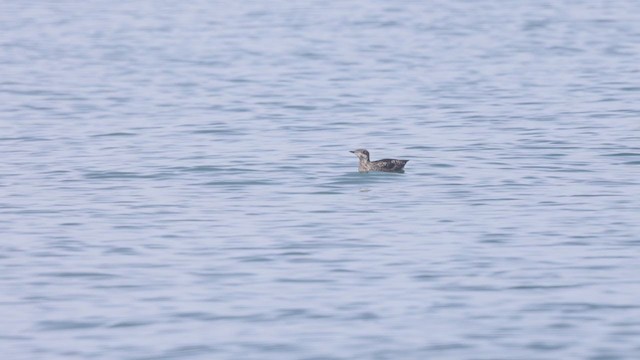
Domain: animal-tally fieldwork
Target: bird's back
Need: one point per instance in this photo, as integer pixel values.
(388, 165)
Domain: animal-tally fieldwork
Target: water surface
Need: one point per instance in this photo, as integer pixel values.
(175, 180)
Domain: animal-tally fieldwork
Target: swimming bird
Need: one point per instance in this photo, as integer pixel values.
(387, 165)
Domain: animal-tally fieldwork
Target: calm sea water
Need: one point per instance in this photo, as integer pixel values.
(175, 181)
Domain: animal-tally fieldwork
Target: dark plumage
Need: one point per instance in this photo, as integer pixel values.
(387, 165)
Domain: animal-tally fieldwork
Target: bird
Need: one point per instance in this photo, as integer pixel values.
(386, 165)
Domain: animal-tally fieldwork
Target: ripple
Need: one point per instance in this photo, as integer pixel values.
(115, 134)
(239, 183)
(82, 275)
(115, 175)
(55, 325)
(623, 154)
(211, 168)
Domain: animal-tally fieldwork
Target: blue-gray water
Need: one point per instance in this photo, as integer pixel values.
(175, 181)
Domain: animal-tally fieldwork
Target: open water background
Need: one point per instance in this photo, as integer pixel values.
(175, 181)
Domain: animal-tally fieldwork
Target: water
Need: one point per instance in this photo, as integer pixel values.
(175, 180)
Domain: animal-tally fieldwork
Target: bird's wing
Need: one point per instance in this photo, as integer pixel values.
(392, 164)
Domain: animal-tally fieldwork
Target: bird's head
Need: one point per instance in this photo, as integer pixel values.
(362, 154)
